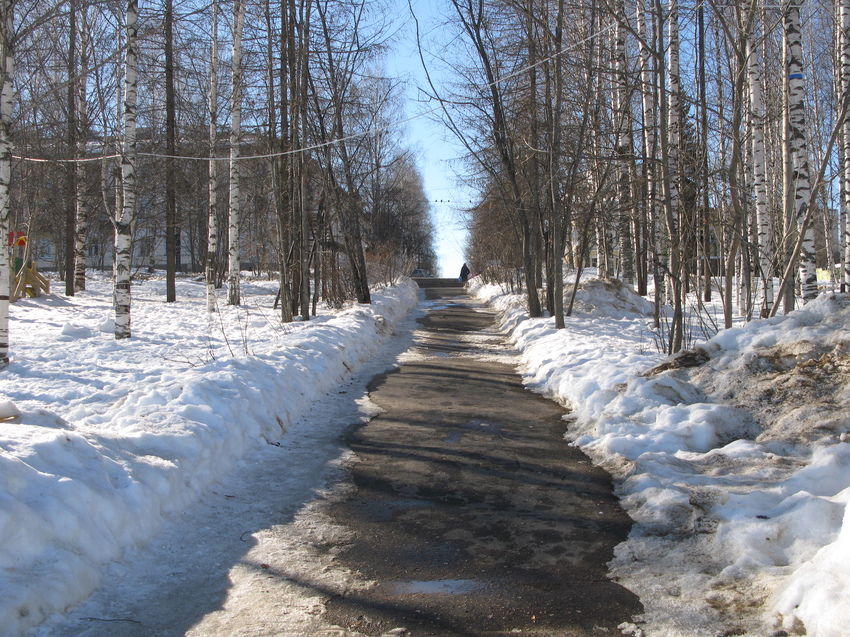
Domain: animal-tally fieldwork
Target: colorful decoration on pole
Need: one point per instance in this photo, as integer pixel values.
(28, 280)
(17, 239)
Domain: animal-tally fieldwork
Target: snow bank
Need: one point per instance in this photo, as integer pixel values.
(736, 471)
(101, 439)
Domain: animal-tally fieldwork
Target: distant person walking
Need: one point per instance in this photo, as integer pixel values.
(464, 273)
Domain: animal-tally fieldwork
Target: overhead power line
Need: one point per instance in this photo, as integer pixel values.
(371, 131)
(366, 133)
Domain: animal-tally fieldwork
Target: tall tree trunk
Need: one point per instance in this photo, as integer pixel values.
(670, 140)
(799, 150)
(7, 73)
(277, 71)
(80, 235)
(283, 199)
(788, 207)
(736, 189)
(559, 222)
(119, 144)
(802, 237)
(294, 58)
(124, 220)
(354, 242)
(303, 200)
(623, 146)
(304, 231)
(764, 235)
(842, 215)
(233, 263)
(844, 12)
(171, 151)
(705, 226)
(70, 167)
(533, 142)
(212, 216)
(650, 150)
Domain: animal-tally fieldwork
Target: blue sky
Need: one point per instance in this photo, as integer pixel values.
(438, 151)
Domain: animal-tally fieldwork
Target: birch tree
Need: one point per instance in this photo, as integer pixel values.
(754, 76)
(212, 184)
(124, 218)
(844, 26)
(82, 209)
(71, 190)
(7, 73)
(233, 296)
(170, 150)
(799, 148)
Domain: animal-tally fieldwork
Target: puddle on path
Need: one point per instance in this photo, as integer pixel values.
(431, 587)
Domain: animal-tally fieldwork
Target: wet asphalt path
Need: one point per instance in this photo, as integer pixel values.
(470, 512)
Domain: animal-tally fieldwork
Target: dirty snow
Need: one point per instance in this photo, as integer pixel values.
(736, 470)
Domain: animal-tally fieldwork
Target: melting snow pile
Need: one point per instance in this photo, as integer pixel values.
(100, 439)
(733, 459)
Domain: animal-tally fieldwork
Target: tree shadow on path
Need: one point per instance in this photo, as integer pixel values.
(471, 514)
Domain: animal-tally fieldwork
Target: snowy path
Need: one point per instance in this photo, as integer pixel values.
(216, 568)
(470, 512)
(736, 530)
(290, 546)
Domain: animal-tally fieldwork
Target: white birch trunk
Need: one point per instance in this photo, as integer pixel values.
(119, 122)
(844, 15)
(212, 218)
(799, 148)
(124, 220)
(674, 123)
(7, 74)
(754, 76)
(233, 296)
(788, 207)
(82, 113)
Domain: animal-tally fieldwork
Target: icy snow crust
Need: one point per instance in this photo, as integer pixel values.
(735, 471)
(100, 440)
